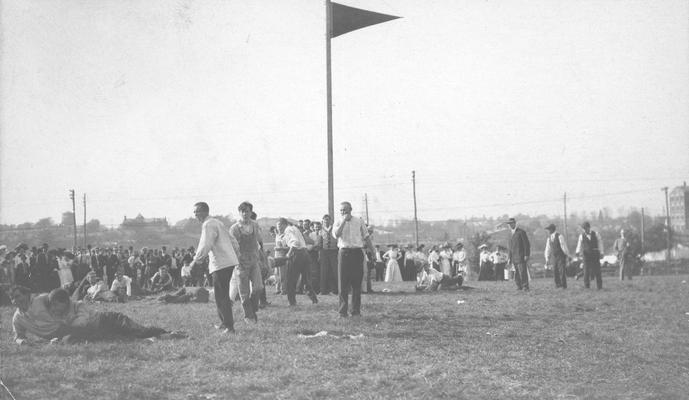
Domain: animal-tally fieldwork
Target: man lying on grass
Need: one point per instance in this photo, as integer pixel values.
(430, 279)
(55, 317)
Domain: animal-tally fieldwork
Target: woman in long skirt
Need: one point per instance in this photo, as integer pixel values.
(392, 271)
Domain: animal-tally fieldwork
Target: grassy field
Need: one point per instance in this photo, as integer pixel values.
(628, 341)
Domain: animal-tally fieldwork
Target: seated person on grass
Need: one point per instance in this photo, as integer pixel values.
(431, 279)
(92, 288)
(121, 286)
(186, 275)
(161, 280)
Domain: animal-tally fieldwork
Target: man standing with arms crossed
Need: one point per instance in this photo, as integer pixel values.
(221, 249)
(351, 235)
(519, 253)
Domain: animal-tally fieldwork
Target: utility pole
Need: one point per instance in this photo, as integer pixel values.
(84, 220)
(74, 217)
(642, 230)
(416, 220)
(565, 219)
(329, 107)
(366, 202)
(667, 220)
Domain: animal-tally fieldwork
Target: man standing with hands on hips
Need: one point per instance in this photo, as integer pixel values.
(351, 234)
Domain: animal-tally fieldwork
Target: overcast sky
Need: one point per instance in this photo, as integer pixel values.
(148, 106)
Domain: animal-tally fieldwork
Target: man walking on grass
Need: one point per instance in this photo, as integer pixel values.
(221, 249)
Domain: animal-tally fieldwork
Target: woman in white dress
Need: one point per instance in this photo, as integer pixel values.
(392, 271)
(446, 260)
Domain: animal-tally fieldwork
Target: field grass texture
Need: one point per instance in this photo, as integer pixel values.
(485, 341)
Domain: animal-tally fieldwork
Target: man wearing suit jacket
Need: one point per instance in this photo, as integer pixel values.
(519, 253)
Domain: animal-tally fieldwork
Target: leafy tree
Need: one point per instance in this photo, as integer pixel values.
(93, 225)
(44, 223)
(655, 238)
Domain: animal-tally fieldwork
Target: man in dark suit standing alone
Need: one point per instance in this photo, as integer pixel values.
(519, 253)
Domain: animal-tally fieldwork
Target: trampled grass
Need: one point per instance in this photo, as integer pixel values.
(628, 341)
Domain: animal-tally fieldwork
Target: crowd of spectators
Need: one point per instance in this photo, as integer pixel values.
(100, 273)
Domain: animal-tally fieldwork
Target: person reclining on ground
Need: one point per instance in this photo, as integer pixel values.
(82, 323)
(32, 316)
(92, 288)
(430, 279)
(186, 295)
(54, 316)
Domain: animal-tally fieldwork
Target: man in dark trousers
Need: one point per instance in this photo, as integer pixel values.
(590, 247)
(351, 234)
(519, 253)
(556, 254)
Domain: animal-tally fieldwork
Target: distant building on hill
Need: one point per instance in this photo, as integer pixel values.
(67, 218)
(679, 208)
(144, 223)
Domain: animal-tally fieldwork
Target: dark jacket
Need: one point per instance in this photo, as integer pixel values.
(520, 248)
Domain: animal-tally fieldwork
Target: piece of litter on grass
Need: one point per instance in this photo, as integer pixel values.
(460, 302)
(684, 281)
(317, 334)
(386, 290)
(325, 333)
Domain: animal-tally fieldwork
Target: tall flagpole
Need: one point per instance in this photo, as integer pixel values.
(329, 95)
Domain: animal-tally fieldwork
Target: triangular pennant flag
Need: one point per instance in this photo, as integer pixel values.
(347, 19)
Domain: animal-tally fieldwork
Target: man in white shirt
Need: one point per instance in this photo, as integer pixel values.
(556, 254)
(298, 261)
(121, 286)
(590, 247)
(351, 234)
(221, 249)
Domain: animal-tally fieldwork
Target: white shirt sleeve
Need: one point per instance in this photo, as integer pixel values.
(563, 244)
(208, 237)
(546, 252)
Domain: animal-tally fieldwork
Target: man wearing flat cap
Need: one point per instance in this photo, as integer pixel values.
(590, 247)
(519, 253)
(556, 254)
